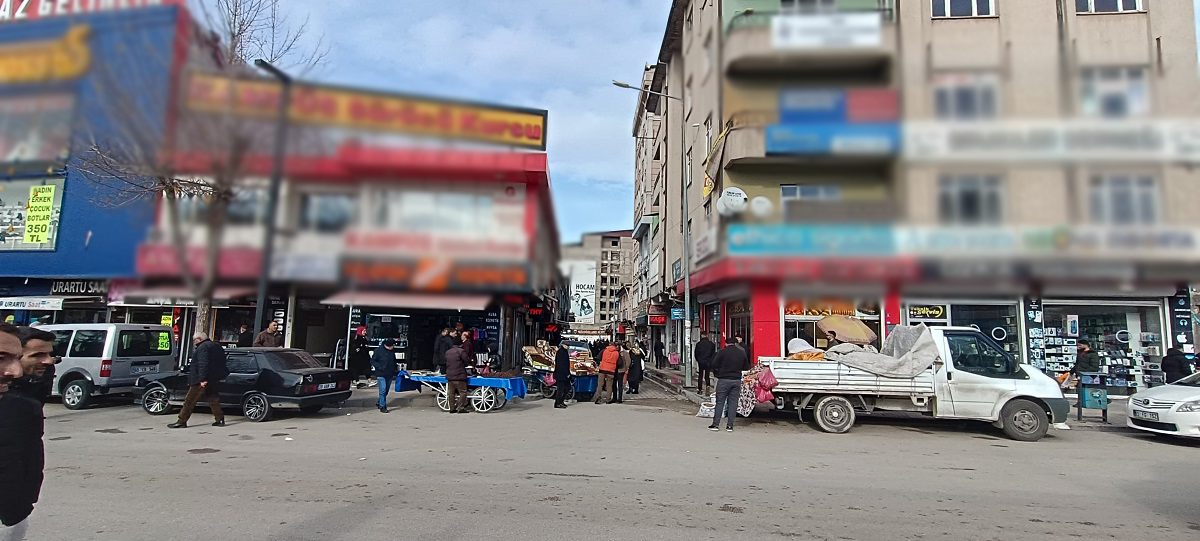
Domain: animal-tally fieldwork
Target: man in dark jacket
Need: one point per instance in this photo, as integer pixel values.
(245, 337)
(22, 453)
(37, 364)
(1176, 365)
(562, 375)
(441, 345)
(383, 361)
(660, 354)
(204, 378)
(1086, 360)
(457, 361)
(728, 366)
(704, 352)
(270, 337)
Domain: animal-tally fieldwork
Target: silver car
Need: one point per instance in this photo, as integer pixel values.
(104, 359)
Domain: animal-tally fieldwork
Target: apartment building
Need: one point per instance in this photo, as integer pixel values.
(597, 267)
(1009, 165)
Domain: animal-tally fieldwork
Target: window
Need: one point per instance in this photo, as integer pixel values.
(604, 280)
(604, 268)
(89, 344)
(965, 96)
(1114, 92)
(241, 363)
(708, 209)
(963, 8)
(614, 243)
(810, 192)
(143, 343)
(326, 212)
(809, 6)
(1124, 200)
(603, 317)
(708, 136)
(62, 339)
(687, 167)
(293, 360)
(1107, 6)
(970, 200)
(972, 354)
(687, 98)
(248, 206)
(710, 54)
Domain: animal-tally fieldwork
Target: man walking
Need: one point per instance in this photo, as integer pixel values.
(204, 378)
(270, 337)
(703, 353)
(22, 453)
(386, 369)
(728, 366)
(457, 361)
(660, 354)
(562, 375)
(609, 362)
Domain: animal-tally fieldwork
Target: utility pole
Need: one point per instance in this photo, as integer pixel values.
(281, 127)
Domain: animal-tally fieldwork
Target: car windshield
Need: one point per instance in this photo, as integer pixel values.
(293, 360)
(1190, 381)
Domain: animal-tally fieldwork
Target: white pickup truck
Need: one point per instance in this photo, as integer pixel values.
(970, 377)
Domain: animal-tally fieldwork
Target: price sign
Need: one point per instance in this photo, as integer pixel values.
(166, 320)
(38, 213)
(164, 341)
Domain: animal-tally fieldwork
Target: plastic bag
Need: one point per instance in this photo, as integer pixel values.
(763, 395)
(549, 380)
(766, 380)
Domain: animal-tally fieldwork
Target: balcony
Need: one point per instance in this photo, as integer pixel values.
(855, 43)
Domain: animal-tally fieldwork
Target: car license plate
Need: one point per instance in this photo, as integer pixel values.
(326, 386)
(143, 369)
(1147, 415)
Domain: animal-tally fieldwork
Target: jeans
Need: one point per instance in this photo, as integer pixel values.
(211, 392)
(619, 390)
(16, 532)
(456, 395)
(704, 382)
(604, 388)
(383, 384)
(728, 391)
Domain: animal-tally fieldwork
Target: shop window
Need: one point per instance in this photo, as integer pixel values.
(963, 8)
(89, 344)
(973, 354)
(1124, 200)
(326, 212)
(810, 192)
(1107, 6)
(966, 96)
(1125, 337)
(970, 200)
(1114, 92)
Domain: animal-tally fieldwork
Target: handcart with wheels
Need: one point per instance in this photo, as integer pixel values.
(485, 394)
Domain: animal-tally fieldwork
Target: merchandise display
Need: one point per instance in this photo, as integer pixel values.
(1125, 339)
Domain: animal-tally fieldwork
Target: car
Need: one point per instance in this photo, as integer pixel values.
(260, 380)
(107, 358)
(1167, 409)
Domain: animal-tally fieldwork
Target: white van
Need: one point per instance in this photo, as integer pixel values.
(100, 359)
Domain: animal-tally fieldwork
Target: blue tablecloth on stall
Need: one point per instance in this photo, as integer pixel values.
(405, 383)
(586, 384)
(513, 387)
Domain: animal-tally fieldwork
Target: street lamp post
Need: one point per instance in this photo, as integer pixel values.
(281, 128)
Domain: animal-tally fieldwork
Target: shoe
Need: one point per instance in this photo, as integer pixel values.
(219, 423)
(383, 410)
(597, 402)
(177, 425)
(560, 406)
(714, 428)
(729, 429)
(362, 385)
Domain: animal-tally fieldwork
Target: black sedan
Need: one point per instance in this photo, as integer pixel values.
(260, 380)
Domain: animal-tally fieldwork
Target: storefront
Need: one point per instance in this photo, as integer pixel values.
(54, 301)
(998, 317)
(1127, 334)
(802, 314)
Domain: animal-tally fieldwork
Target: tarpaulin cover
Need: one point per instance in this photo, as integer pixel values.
(907, 351)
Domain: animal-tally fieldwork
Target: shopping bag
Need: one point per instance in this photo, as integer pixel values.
(763, 395)
(549, 380)
(767, 380)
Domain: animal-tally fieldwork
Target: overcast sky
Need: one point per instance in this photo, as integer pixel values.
(558, 55)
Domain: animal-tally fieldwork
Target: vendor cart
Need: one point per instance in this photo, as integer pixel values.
(485, 394)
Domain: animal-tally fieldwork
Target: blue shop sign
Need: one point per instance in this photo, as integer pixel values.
(805, 105)
(812, 240)
(677, 313)
(833, 138)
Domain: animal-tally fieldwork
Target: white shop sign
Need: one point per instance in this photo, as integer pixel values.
(1053, 141)
(31, 303)
(827, 31)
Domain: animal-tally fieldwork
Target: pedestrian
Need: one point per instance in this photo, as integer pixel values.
(728, 366)
(204, 378)
(562, 375)
(468, 346)
(609, 361)
(245, 337)
(383, 361)
(22, 451)
(660, 354)
(637, 368)
(623, 363)
(703, 353)
(457, 333)
(360, 357)
(441, 345)
(270, 337)
(37, 364)
(457, 362)
(1086, 360)
(1176, 366)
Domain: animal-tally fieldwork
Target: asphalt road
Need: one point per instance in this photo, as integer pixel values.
(648, 470)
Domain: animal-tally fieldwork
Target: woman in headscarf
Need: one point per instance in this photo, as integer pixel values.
(637, 368)
(800, 350)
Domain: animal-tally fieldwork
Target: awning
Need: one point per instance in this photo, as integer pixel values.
(410, 300)
(181, 296)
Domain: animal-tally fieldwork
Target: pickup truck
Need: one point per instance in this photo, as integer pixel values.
(970, 377)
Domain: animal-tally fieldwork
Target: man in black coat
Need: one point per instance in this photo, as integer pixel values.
(1176, 365)
(562, 375)
(704, 352)
(441, 345)
(22, 453)
(728, 366)
(660, 354)
(386, 370)
(457, 362)
(204, 378)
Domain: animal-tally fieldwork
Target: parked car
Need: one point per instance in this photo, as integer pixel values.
(105, 359)
(1167, 409)
(260, 380)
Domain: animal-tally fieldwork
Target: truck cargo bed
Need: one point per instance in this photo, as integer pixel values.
(834, 377)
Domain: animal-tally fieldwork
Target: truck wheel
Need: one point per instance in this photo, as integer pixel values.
(834, 414)
(77, 394)
(1024, 421)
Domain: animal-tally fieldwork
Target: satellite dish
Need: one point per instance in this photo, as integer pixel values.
(732, 201)
(761, 206)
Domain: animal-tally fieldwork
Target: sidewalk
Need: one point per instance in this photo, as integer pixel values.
(672, 381)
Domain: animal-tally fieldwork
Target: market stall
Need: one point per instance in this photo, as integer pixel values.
(539, 369)
(486, 393)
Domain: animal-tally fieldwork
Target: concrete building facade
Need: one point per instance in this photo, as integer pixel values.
(613, 254)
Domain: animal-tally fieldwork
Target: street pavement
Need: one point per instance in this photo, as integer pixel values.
(646, 469)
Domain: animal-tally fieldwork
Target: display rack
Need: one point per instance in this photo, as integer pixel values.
(1123, 364)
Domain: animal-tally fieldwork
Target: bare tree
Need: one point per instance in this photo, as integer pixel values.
(135, 156)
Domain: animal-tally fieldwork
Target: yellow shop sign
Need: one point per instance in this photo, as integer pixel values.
(46, 61)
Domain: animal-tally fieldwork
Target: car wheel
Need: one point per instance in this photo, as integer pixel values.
(156, 400)
(1024, 421)
(309, 410)
(77, 394)
(256, 407)
(834, 414)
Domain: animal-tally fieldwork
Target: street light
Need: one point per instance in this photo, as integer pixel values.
(281, 128)
(620, 84)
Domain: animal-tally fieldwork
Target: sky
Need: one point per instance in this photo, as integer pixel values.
(559, 55)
